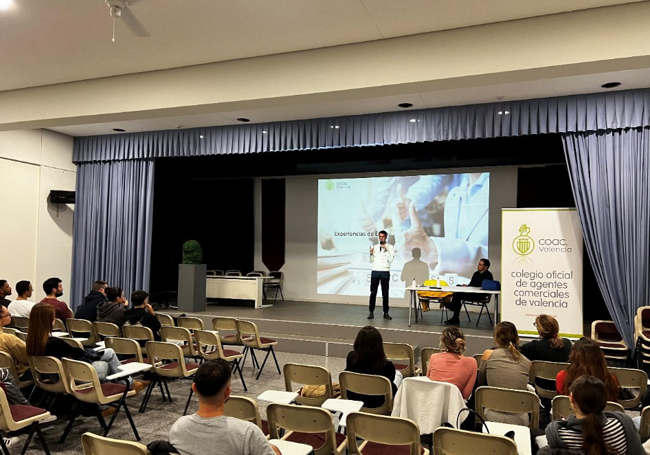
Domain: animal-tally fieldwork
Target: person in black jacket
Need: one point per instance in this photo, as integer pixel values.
(369, 357)
(88, 309)
(550, 347)
(482, 273)
(142, 313)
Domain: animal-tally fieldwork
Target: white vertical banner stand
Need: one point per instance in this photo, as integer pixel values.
(541, 268)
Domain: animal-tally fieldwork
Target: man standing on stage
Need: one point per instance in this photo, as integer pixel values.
(381, 257)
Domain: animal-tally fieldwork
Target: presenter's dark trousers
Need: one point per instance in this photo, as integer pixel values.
(375, 279)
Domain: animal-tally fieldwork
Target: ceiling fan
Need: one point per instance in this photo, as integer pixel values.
(121, 9)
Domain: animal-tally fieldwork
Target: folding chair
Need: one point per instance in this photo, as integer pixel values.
(483, 303)
(44, 371)
(629, 378)
(308, 375)
(106, 329)
(252, 341)
(233, 273)
(20, 322)
(610, 341)
(562, 408)
(210, 348)
(403, 357)
(59, 325)
(306, 425)
(82, 328)
(479, 360)
(642, 337)
(245, 408)
(165, 319)
(645, 423)
(138, 333)
(256, 273)
(426, 354)
(507, 400)
(98, 445)
(168, 362)
(85, 386)
(14, 417)
(176, 334)
(190, 323)
(450, 441)
(6, 361)
(227, 325)
(546, 371)
(381, 435)
(368, 384)
(275, 284)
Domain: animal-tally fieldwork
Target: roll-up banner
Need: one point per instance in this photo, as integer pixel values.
(541, 268)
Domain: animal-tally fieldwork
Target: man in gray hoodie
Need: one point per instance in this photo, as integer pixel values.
(113, 310)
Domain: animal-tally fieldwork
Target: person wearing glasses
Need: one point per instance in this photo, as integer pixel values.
(550, 346)
(482, 273)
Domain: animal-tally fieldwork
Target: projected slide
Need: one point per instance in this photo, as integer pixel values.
(438, 224)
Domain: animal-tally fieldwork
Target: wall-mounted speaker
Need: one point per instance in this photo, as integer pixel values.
(61, 197)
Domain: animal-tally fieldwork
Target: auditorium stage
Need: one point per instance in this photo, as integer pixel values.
(329, 329)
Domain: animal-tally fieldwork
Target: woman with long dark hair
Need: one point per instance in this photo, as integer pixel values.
(451, 365)
(550, 347)
(368, 357)
(587, 358)
(592, 431)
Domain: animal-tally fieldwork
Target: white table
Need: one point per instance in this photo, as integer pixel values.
(343, 406)
(129, 369)
(291, 448)
(237, 287)
(60, 334)
(522, 435)
(413, 296)
(277, 396)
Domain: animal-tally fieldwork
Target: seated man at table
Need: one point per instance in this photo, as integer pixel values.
(482, 273)
(209, 431)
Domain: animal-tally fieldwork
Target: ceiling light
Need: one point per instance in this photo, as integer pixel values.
(405, 105)
(332, 127)
(414, 120)
(500, 112)
(178, 127)
(243, 119)
(5, 4)
(201, 136)
(118, 130)
(611, 85)
(264, 132)
(507, 112)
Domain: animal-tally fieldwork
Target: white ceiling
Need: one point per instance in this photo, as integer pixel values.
(516, 91)
(53, 41)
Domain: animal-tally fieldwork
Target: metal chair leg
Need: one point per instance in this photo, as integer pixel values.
(42, 439)
(128, 416)
(32, 429)
(263, 363)
(187, 405)
(276, 360)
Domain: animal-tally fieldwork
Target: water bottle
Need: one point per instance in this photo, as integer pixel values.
(414, 283)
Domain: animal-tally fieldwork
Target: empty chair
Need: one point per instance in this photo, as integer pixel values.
(17, 417)
(275, 284)
(165, 319)
(99, 445)
(59, 325)
(379, 431)
(460, 442)
(210, 348)
(403, 357)
(562, 407)
(124, 347)
(543, 376)
(81, 328)
(138, 333)
(20, 322)
(245, 408)
(256, 273)
(629, 378)
(86, 387)
(308, 375)
(252, 341)
(306, 425)
(172, 365)
(642, 336)
(228, 332)
(106, 329)
(190, 323)
(426, 354)
(233, 273)
(368, 384)
(510, 401)
(6, 361)
(175, 334)
(610, 340)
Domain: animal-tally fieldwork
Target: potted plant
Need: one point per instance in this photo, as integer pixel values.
(191, 278)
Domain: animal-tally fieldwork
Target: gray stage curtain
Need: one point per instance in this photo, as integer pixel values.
(600, 111)
(610, 176)
(112, 226)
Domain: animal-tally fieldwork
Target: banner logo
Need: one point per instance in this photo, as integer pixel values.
(329, 185)
(523, 244)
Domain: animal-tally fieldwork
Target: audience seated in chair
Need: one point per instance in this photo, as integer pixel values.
(451, 365)
(14, 346)
(209, 431)
(368, 357)
(21, 306)
(5, 290)
(590, 430)
(88, 309)
(53, 287)
(114, 308)
(40, 343)
(587, 358)
(550, 347)
(142, 313)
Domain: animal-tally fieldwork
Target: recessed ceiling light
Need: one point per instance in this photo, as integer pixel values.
(500, 112)
(5, 4)
(332, 127)
(201, 136)
(611, 85)
(264, 132)
(178, 127)
(119, 130)
(414, 120)
(243, 119)
(507, 112)
(405, 105)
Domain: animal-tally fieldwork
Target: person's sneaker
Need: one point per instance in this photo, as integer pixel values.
(9, 441)
(387, 316)
(139, 386)
(51, 418)
(371, 315)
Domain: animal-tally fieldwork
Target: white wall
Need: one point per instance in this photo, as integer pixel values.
(302, 224)
(36, 236)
